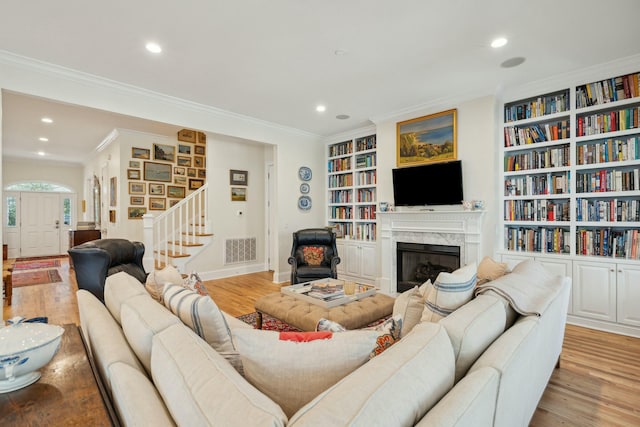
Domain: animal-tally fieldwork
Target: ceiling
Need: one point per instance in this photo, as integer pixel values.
(276, 60)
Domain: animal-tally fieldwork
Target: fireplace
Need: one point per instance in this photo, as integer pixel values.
(419, 262)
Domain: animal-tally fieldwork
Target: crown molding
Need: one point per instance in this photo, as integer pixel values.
(86, 79)
(350, 134)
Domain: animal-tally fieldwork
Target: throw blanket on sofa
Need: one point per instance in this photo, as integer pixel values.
(528, 296)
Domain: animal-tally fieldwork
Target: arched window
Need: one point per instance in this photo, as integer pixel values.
(38, 186)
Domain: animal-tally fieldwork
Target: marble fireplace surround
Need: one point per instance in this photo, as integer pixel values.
(454, 227)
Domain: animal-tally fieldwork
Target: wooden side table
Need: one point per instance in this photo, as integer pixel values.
(68, 392)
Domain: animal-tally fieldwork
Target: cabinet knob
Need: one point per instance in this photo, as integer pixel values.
(612, 270)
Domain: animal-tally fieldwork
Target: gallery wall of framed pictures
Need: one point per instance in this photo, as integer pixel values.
(158, 177)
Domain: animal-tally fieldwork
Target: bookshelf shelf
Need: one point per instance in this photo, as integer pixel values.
(352, 188)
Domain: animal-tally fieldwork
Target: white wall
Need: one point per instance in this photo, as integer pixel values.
(476, 124)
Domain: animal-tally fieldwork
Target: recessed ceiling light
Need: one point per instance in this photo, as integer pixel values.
(43, 139)
(41, 153)
(339, 52)
(321, 108)
(46, 120)
(499, 42)
(153, 47)
(342, 116)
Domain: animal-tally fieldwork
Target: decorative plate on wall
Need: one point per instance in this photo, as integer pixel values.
(305, 188)
(304, 173)
(304, 203)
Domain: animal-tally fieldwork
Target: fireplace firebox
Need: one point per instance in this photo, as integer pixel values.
(419, 262)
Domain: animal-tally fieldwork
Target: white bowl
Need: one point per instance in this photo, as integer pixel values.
(24, 348)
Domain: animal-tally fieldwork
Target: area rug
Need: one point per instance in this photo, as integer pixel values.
(35, 264)
(272, 324)
(36, 277)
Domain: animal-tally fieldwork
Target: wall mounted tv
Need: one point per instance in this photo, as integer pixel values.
(432, 184)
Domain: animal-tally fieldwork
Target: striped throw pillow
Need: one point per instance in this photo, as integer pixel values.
(448, 292)
(201, 314)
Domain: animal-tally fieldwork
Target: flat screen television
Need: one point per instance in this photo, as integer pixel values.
(432, 184)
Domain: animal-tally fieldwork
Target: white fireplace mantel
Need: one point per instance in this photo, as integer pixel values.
(437, 227)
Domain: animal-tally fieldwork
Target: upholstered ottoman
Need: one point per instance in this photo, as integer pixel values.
(305, 316)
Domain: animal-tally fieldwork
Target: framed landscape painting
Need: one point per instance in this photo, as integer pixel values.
(157, 172)
(427, 139)
(164, 152)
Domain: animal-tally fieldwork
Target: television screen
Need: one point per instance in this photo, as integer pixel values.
(433, 184)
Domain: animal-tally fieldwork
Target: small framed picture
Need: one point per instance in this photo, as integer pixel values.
(237, 177)
(184, 149)
(192, 172)
(112, 216)
(202, 173)
(202, 138)
(238, 194)
(157, 203)
(199, 150)
(198, 161)
(140, 153)
(135, 164)
(157, 172)
(156, 189)
(133, 174)
(184, 161)
(173, 202)
(136, 201)
(180, 180)
(136, 212)
(179, 171)
(187, 135)
(173, 191)
(164, 152)
(137, 188)
(194, 184)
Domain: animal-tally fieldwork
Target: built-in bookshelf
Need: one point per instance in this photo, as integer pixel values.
(352, 187)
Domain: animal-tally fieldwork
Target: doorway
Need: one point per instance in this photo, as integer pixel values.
(36, 223)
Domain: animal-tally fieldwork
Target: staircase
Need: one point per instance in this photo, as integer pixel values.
(178, 233)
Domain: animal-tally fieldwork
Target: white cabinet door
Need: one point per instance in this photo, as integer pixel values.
(594, 290)
(368, 262)
(341, 253)
(352, 260)
(560, 267)
(628, 294)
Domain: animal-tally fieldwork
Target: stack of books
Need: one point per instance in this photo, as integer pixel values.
(326, 291)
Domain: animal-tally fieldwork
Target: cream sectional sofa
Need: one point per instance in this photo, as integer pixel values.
(483, 365)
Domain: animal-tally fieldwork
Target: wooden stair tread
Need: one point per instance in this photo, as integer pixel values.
(173, 254)
(186, 244)
(199, 234)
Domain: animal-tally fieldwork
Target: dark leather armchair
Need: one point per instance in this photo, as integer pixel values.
(313, 255)
(94, 261)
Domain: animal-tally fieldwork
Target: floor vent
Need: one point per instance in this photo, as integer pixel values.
(240, 250)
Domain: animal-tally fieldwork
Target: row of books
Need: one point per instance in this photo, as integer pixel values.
(549, 158)
(543, 240)
(366, 161)
(536, 210)
(533, 185)
(541, 106)
(611, 150)
(366, 178)
(367, 212)
(612, 121)
(341, 149)
(614, 210)
(340, 212)
(337, 165)
(366, 143)
(518, 135)
(366, 195)
(365, 232)
(609, 90)
(344, 180)
(340, 196)
(608, 180)
(608, 243)
(343, 229)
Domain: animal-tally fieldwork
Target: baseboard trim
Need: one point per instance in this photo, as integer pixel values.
(236, 270)
(600, 325)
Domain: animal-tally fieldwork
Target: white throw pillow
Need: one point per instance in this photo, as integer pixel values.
(201, 314)
(450, 291)
(158, 278)
(294, 373)
(409, 305)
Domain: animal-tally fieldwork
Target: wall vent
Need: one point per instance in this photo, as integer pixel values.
(240, 250)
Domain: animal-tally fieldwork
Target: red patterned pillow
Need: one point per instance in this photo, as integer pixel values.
(313, 255)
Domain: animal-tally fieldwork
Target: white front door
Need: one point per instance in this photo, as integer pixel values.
(40, 224)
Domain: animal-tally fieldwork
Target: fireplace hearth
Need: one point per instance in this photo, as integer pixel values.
(418, 262)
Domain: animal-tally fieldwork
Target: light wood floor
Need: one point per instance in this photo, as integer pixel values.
(597, 384)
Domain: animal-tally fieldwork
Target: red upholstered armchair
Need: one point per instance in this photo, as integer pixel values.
(314, 255)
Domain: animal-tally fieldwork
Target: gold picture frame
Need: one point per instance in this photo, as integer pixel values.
(427, 139)
(136, 212)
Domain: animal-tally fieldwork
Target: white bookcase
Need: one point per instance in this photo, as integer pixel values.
(571, 193)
